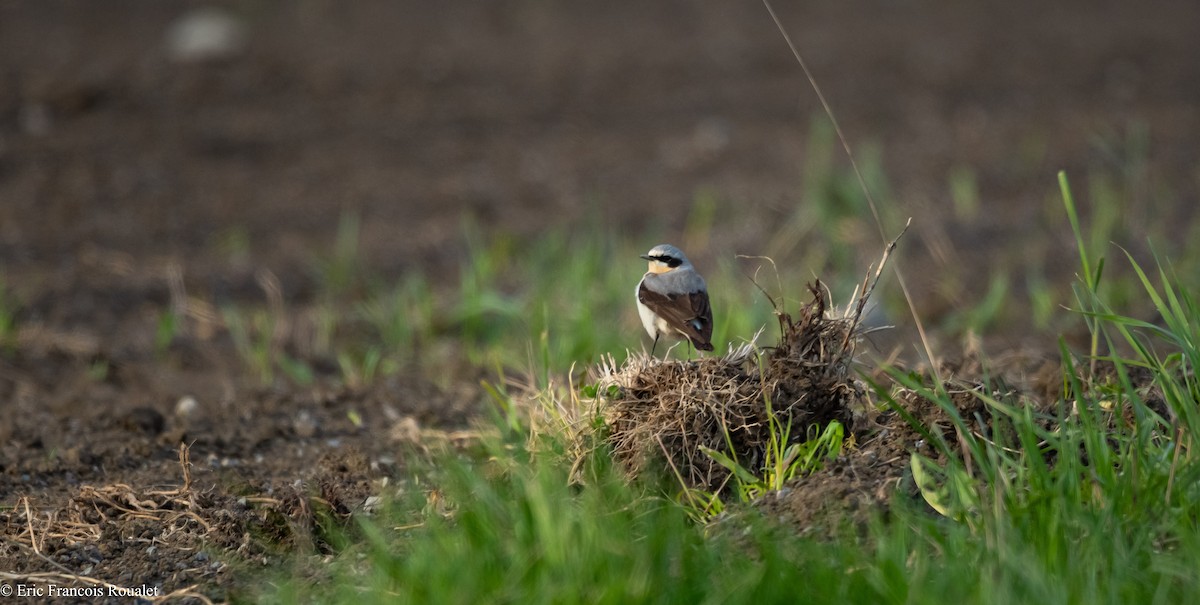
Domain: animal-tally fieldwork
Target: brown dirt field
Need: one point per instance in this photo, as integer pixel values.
(122, 171)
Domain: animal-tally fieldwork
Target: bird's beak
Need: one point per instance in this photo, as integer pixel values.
(647, 257)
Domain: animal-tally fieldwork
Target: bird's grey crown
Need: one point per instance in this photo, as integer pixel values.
(668, 251)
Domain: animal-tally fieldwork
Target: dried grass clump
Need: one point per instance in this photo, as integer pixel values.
(663, 411)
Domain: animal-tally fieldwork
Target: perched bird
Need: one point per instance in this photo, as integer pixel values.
(672, 299)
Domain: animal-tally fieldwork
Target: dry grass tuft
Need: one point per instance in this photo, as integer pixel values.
(663, 411)
(82, 523)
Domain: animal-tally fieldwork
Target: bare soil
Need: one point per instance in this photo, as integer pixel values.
(125, 175)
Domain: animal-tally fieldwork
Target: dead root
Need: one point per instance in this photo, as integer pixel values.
(81, 521)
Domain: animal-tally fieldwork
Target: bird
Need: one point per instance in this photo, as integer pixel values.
(672, 299)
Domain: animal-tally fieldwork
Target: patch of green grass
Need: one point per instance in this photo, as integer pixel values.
(964, 193)
(251, 334)
(783, 461)
(167, 330)
(8, 319)
(1097, 502)
(99, 370)
(340, 273)
(359, 371)
(257, 337)
(1100, 508)
(987, 312)
(233, 244)
(401, 318)
(1042, 303)
(518, 531)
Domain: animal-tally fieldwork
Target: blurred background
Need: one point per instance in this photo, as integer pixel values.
(167, 166)
(319, 241)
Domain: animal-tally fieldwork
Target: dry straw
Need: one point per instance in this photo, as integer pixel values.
(93, 506)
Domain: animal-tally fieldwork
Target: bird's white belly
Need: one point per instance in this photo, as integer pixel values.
(655, 325)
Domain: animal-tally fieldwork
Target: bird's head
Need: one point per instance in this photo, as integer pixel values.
(665, 257)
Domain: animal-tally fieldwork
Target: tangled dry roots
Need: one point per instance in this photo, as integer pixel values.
(663, 411)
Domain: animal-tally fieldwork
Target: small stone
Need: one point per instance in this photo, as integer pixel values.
(304, 425)
(186, 406)
(371, 504)
(35, 119)
(406, 430)
(205, 34)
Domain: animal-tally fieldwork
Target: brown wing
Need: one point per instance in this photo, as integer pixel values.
(690, 314)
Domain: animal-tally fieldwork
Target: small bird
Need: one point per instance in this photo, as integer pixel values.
(672, 299)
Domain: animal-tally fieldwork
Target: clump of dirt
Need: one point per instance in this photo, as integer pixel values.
(874, 474)
(666, 412)
(869, 477)
(669, 413)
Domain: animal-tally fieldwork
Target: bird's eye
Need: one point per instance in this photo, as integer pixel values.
(672, 262)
